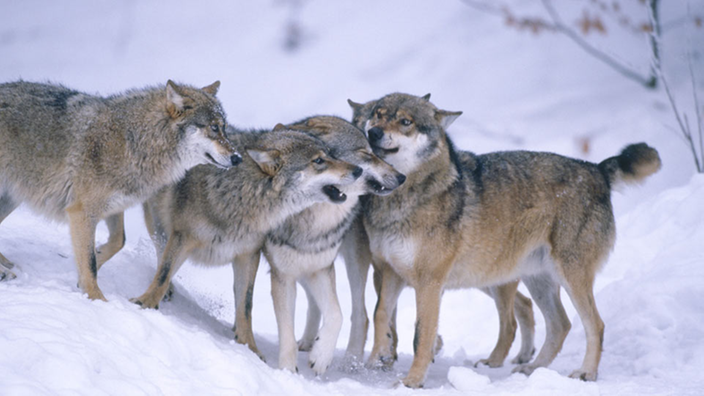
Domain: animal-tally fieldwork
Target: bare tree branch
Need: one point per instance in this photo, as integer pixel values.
(649, 82)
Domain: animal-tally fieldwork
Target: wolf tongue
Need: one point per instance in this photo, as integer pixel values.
(334, 193)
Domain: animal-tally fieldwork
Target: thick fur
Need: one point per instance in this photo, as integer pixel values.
(215, 216)
(304, 247)
(83, 158)
(484, 220)
(357, 256)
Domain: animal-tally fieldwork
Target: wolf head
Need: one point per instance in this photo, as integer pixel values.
(348, 143)
(303, 166)
(201, 118)
(404, 130)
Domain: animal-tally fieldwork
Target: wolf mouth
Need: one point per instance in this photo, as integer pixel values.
(334, 193)
(382, 150)
(212, 160)
(377, 188)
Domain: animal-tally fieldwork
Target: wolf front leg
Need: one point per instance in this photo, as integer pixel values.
(391, 286)
(321, 285)
(283, 293)
(245, 268)
(82, 227)
(116, 238)
(178, 247)
(428, 294)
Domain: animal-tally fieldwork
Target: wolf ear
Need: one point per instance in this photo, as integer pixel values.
(269, 161)
(354, 105)
(446, 118)
(279, 127)
(174, 100)
(426, 97)
(212, 88)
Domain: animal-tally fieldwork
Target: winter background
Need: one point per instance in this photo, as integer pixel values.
(517, 91)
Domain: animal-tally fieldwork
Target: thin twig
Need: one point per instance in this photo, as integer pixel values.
(602, 56)
(697, 109)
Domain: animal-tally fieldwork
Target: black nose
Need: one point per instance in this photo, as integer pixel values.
(357, 172)
(236, 159)
(375, 134)
(400, 179)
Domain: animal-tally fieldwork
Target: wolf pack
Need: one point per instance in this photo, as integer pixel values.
(387, 189)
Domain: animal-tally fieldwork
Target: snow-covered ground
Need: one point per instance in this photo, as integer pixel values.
(517, 91)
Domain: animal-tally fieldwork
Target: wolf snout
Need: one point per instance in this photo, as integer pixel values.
(236, 159)
(375, 134)
(400, 178)
(357, 172)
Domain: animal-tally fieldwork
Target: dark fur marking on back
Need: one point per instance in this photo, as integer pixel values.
(59, 99)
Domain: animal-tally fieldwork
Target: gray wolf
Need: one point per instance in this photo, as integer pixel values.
(215, 216)
(83, 158)
(357, 257)
(484, 220)
(304, 247)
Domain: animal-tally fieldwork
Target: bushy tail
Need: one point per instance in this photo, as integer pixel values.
(633, 165)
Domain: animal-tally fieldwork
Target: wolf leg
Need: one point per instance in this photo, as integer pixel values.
(7, 205)
(546, 294)
(523, 307)
(82, 227)
(312, 324)
(391, 286)
(579, 286)
(321, 286)
(503, 296)
(116, 239)
(283, 293)
(428, 295)
(357, 257)
(245, 270)
(157, 233)
(177, 249)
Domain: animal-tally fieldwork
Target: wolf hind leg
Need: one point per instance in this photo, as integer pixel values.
(7, 205)
(116, 239)
(305, 344)
(546, 294)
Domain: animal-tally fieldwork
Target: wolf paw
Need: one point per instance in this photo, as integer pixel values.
(526, 369)
(305, 345)
(169, 293)
(493, 363)
(5, 267)
(320, 359)
(145, 302)
(584, 375)
(522, 357)
(384, 362)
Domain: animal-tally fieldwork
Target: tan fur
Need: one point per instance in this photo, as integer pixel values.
(462, 220)
(83, 158)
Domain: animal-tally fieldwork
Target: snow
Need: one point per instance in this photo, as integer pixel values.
(517, 91)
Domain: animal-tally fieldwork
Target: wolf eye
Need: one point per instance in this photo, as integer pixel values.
(319, 160)
(215, 128)
(406, 122)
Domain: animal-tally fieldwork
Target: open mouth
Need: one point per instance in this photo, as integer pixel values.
(212, 160)
(380, 150)
(377, 188)
(334, 193)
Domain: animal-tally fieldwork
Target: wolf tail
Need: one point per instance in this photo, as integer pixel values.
(633, 165)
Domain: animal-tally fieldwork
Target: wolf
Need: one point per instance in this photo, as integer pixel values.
(484, 220)
(215, 216)
(357, 257)
(304, 247)
(81, 158)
